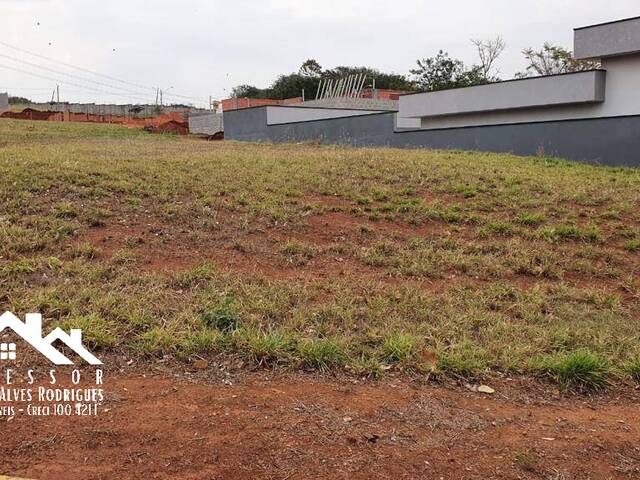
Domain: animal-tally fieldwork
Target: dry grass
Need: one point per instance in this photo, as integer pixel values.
(317, 255)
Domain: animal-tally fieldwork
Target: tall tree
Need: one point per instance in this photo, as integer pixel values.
(308, 78)
(551, 60)
(442, 72)
(488, 53)
(392, 81)
(310, 68)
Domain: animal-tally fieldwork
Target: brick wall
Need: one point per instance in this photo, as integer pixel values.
(238, 103)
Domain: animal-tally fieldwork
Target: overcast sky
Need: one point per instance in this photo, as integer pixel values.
(205, 47)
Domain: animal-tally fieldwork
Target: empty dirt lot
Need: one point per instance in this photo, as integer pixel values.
(306, 311)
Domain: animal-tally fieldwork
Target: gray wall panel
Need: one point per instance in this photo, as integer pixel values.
(206, 124)
(289, 114)
(613, 141)
(372, 129)
(610, 141)
(4, 102)
(607, 39)
(248, 124)
(552, 90)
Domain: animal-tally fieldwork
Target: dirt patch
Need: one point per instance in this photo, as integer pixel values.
(301, 428)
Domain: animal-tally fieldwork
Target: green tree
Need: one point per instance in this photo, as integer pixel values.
(392, 81)
(310, 68)
(442, 72)
(287, 86)
(19, 100)
(553, 60)
(248, 91)
(308, 78)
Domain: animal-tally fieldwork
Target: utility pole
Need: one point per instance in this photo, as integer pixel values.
(157, 93)
(58, 93)
(161, 98)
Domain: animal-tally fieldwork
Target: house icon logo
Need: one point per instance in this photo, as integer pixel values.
(31, 332)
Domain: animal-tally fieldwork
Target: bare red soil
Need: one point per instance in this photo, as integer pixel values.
(265, 426)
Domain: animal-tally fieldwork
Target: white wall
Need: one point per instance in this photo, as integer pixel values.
(277, 115)
(622, 97)
(573, 88)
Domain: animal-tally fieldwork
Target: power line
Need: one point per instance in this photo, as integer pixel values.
(26, 88)
(71, 75)
(83, 87)
(86, 70)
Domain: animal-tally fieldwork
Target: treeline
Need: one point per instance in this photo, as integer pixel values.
(439, 72)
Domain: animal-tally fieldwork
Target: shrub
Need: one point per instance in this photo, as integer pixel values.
(580, 370)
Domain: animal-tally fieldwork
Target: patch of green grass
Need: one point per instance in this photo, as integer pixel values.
(17, 267)
(467, 191)
(97, 332)
(633, 368)
(321, 353)
(66, 210)
(492, 228)
(265, 347)
(157, 340)
(580, 370)
(202, 342)
(464, 360)
(399, 347)
(86, 250)
(298, 253)
(222, 317)
(590, 233)
(193, 277)
(368, 366)
(632, 245)
(530, 219)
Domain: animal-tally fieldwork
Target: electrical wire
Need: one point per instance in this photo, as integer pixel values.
(71, 75)
(83, 87)
(86, 70)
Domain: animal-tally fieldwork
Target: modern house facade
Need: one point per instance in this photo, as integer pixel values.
(591, 116)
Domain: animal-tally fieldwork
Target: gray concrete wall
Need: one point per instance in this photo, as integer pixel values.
(573, 88)
(206, 123)
(607, 39)
(611, 141)
(4, 102)
(289, 114)
(110, 109)
(248, 124)
(354, 103)
(622, 98)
